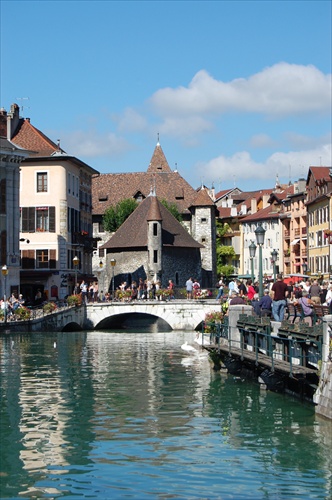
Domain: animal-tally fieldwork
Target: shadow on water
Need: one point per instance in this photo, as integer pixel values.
(137, 322)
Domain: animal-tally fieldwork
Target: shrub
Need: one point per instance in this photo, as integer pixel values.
(211, 320)
(49, 307)
(74, 300)
(23, 313)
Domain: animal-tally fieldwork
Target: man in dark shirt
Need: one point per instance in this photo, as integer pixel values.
(265, 304)
(236, 300)
(280, 292)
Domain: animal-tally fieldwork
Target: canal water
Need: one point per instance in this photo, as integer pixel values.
(108, 415)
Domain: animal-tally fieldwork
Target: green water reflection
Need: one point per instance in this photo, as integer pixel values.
(131, 415)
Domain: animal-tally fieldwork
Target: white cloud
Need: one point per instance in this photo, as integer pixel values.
(280, 90)
(241, 166)
(262, 141)
(130, 121)
(91, 144)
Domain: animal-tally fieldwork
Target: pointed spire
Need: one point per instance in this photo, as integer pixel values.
(154, 213)
(158, 161)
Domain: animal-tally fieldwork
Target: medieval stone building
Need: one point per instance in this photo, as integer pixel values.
(197, 210)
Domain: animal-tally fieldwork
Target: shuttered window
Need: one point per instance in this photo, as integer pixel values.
(28, 259)
(38, 219)
(52, 259)
(51, 211)
(42, 259)
(28, 215)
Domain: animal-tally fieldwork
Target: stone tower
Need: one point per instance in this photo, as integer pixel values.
(203, 230)
(154, 220)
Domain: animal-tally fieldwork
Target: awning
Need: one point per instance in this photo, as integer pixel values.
(295, 242)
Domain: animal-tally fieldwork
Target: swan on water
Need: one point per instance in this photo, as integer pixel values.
(187, 347)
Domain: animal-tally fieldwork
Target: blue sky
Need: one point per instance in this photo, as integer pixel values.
(238, 91)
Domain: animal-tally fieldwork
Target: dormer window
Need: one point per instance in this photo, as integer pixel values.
(139, 197)
(103, 197)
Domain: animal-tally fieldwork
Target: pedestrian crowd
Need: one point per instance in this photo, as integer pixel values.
(277, 296)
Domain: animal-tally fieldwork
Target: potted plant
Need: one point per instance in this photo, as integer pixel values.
(49, 307)
(23, 313)
(74, 300)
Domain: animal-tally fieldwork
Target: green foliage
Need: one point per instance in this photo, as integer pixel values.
(23, 313)
(226, 252)
(49, 307)
(225, 270)
(211, 321)
(74, 300)
(172, 207)
(115, 216)
(222, 229)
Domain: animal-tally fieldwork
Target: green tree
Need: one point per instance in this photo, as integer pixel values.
(172, 207)
(225, 253)
(115, 215)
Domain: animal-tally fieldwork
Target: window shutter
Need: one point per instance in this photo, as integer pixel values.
(31, 219)
(25, 219)
(52, 259)
(28, 259)
(51, 212)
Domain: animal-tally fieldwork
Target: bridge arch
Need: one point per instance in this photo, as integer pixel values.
(178, 315)
(134, 320)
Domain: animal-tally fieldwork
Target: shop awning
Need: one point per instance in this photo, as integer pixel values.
(295, 242)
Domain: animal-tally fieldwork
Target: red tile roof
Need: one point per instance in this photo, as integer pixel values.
(269, 212)
(158, 161)
(29, 137)
(110, 189)
(320, 173)
(133, 233)
(203, 199)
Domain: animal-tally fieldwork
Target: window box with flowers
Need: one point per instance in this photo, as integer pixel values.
(49, 307)
(328, 235)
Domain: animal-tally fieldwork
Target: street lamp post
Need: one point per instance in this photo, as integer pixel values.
(305, 267)
(100, 280)
(274, 258)
(4, 271)
(252, 253)
(76, 262)
(260, 235)
(113, 264)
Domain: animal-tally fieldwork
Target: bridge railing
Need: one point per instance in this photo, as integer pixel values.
(297, 344)
(30, 313)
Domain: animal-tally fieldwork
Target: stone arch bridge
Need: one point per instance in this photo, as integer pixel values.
(175, 314)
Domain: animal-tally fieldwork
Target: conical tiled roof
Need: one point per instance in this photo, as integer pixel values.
(133, 233)
(158, 161)
(154, 211)
(203, 199)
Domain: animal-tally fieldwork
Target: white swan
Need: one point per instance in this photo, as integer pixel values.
(188, 348)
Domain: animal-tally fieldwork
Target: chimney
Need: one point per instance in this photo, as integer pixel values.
(12, 120)
(3, 122)
(253, 205)
(265, 200)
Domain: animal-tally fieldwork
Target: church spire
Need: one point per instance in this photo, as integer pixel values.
(158, 161)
